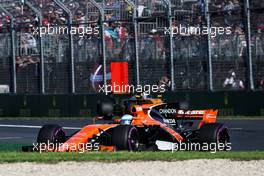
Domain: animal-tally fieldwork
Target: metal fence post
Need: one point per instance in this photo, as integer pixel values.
(42, 73)
(249, 49)
(101, 11)
(103, 48)
(13, 54)
(171, 46)
(72, 61)
(209, 49)
(169, 15)
(136, 39)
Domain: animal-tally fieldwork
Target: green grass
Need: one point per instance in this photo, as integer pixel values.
(11, 152)
(12, 147)
(11, 157)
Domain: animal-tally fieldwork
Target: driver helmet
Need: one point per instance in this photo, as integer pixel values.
(126, 119)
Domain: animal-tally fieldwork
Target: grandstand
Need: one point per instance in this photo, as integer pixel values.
(133, 31)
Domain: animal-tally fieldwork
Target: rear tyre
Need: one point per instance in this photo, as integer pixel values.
(53, 134)
(213, 133)
(125, 137)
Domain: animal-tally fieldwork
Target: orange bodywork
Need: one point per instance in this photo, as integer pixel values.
(75, 143)
(141, 118)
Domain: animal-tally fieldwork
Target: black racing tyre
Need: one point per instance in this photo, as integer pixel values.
(126, 137)
(52, 134)
(213, 133)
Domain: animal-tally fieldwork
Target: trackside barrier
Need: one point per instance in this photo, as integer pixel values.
(84, 105)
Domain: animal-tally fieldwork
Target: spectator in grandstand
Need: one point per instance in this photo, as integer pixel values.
(81, 19)
(1, 23)
(201, 4)
(232, 82)
(110, 37)
(257, 41)
(140, 9)
(23, 45)
(19, 62)
(261, 84)
(121, 33)
(259, 22)
(231, 6)
(159, 47)
(214, 47)
(216, 5)
(165, 81)
(110, 17)
(147, 47)
(28, 44)
(73, 5)
(109, 3)
(185, 80)
(4, 20)
(22, 62)
(231, 9)
(241, 40)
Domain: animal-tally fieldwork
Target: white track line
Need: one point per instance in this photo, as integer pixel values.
(34, 127)
(6, 138)
(236, 128)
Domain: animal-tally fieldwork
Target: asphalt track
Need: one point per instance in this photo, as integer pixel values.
(246, 134)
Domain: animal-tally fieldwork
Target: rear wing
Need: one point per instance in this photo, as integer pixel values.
(204, 115)
(174, 111)
(207, 116)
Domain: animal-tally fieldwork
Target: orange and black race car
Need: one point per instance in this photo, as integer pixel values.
(145, 124)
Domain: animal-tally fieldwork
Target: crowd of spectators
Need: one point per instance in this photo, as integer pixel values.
(119, 34)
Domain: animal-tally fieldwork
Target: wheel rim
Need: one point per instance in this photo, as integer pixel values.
(59, 136)
(133, 140)
(223, 136)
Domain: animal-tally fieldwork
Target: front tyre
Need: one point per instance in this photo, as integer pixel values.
(53, 134)
(126, 137)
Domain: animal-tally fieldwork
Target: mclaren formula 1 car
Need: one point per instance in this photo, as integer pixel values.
(144, 124)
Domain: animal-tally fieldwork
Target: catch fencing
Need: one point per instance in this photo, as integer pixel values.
(144, 33)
